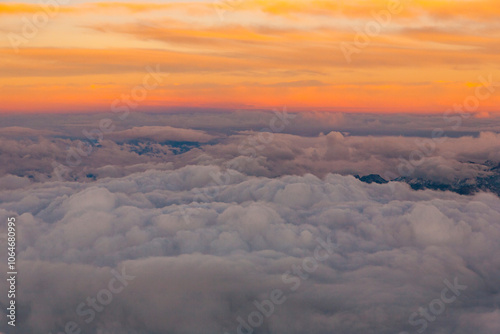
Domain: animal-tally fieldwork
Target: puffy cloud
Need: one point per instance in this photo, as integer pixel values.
(203, 251)
(209, 227)
(457, 157)
(9, 182)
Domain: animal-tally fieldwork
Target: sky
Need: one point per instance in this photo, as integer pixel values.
(208, 154)
(374, 56)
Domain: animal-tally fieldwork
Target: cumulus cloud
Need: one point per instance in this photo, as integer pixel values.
(272, 154)
(203, 252)
(443, 160)
(209, 216)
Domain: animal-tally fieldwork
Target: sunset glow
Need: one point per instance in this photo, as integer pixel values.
(250, 166)
(250, 54)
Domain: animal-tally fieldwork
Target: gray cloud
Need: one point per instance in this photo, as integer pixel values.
(309, 123)
(208, 213)
(162, 133)
(395, 247)
(253, 153)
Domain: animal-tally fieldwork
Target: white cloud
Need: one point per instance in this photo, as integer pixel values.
(395, 248)
(209, 229)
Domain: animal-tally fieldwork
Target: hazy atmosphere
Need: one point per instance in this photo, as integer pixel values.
(250, 167)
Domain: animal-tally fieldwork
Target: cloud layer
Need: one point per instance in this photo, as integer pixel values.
(200, 264)
(208, 216)
(259, 144)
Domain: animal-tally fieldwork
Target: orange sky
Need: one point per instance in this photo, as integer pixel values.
(424, 56)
